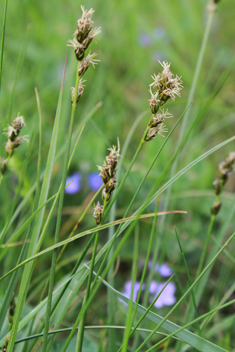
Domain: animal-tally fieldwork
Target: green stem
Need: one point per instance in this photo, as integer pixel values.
(130, 317)
(188, 275)
(60, 207)
(82, 323)
(150, 246)
(111, 299)
(3, 40)
(127, 172)
(88, 289)
(205, 247)
(188, 291)
(197, 72)
(79, 221)
(108, 251)
(79, 341)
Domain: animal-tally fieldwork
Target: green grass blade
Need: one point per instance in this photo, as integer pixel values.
(130, 316)
(188, 275)
(18, 71)
(88, 232)
(59, 215)
(3, 40)
(24, 321)
(110, 299)
(188, 337)
(44, 191)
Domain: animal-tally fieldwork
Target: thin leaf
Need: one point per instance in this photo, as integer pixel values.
(188, 337)
(88, 232)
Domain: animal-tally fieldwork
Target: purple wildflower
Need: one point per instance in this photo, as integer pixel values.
(145, 40)
(158, 56)
(94, 181)
(75, 186)
(159, 33)
(167, 297)
(127, 292)
(164, 270)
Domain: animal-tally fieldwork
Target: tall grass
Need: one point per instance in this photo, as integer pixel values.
(83, 268)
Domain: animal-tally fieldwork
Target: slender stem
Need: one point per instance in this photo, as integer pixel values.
(3, 40)
(188, 290)
(79, 221)
(190, 98)
(197, 72)
(188, 275)
(144, 274)
(60, 207)
(129, 318)
(88, 289)
(127, 172)
(80, 331)
(203, 256)
(82, 323)
(128, 233)
(111, 299)
(184, 124)
(137, 191)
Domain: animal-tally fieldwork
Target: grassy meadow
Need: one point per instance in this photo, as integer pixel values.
(135, 255)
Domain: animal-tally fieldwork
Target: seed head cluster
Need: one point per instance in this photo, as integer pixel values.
(225, 169)
(4, 347)
(14, 141)
(107, 173)
(82, 38)
(164, 87)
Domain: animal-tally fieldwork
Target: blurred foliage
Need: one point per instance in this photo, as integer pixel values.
(135, 35)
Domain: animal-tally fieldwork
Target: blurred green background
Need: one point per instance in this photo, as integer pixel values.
(135, 35)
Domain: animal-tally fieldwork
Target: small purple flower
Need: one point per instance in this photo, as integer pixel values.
(75, 186)
(167, 297)
(158, 56)
(163, 269)
(159, 33)
(145, 40)
(127, 292)
(94, 181)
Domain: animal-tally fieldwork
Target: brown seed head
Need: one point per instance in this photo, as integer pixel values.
(84, 24)
(98, 210)
(166, 86)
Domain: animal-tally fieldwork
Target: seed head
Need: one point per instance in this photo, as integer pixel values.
(159, 118)
(3, 164)
(166, 86)
(216, 208)
(78, 48)
(154, 131)
(107, 172)
(86, 63)
(84, 24)
(98, 210)
(18, 123)
(218, 186)
(13, 130)
(226, 167)
(80, 91)
(11, 146)
(84, 34)
(154, 102)
(105, 195)
(11, 310)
